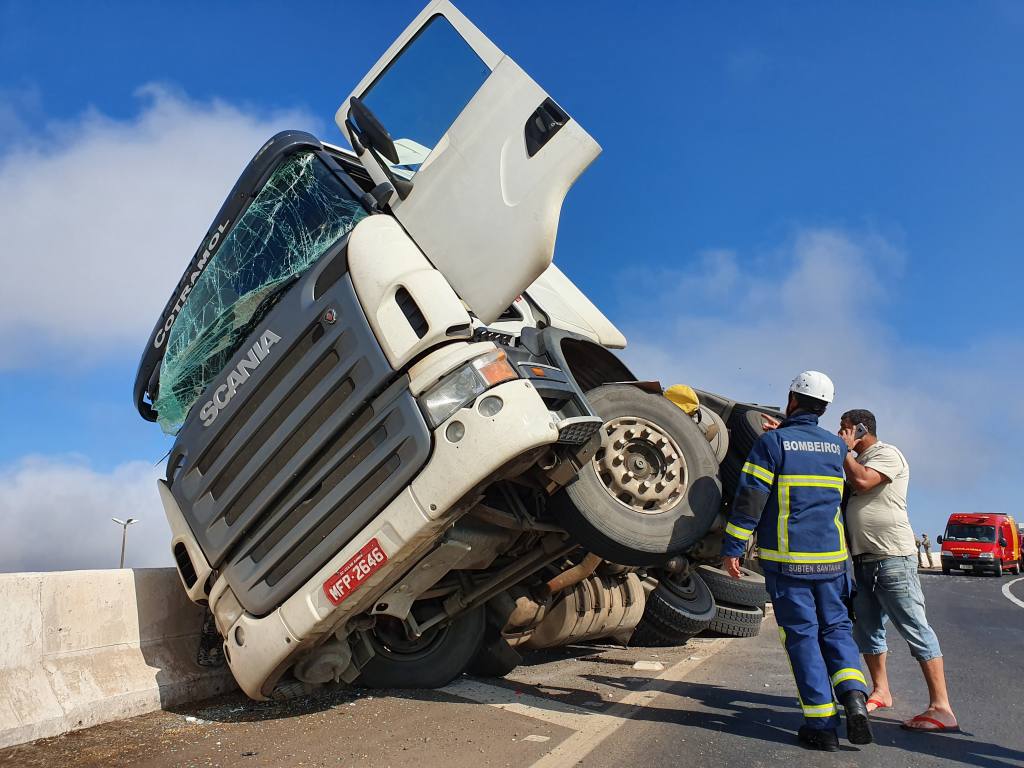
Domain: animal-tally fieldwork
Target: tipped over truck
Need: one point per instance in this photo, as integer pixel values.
(404, 445)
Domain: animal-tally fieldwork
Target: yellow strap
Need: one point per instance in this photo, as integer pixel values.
(811, 480)
(786, 484)
(809, 558)
(759, 472)
(848, 674)
(819, 711)
(740, 533)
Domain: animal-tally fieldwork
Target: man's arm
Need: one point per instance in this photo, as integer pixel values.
(862, 478)
(752, 491)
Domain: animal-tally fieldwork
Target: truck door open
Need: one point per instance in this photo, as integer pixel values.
(480, 156)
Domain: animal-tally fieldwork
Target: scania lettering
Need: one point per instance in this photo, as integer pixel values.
(222, 395)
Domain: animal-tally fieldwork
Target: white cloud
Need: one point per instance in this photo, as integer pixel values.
(100, 216)
(744, 326)
(55, 515)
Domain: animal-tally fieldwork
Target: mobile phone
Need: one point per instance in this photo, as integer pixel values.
(860, 431)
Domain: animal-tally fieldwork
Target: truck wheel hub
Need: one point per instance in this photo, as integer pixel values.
(640, 465)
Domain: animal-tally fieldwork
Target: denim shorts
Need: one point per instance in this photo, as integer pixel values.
(890, 589)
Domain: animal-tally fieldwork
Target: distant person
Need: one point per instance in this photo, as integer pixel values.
(920, 555)
(888, 586)
(789, 492)
(927, 545)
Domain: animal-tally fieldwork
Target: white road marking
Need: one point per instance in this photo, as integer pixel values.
(590, 727)
(539, 708)
(599, 726)
(1009, 595)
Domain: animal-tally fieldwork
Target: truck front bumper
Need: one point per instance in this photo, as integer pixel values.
(260, 649)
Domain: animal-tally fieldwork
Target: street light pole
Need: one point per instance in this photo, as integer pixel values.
(124, 534)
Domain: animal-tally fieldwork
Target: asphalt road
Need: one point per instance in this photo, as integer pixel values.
(712, 702)
(739, 708)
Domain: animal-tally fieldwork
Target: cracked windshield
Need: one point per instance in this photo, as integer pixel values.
(301, 212)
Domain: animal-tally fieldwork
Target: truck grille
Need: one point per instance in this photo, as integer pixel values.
(305, 454)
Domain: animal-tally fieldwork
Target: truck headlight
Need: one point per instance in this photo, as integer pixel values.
(986, 556)
(465, 384)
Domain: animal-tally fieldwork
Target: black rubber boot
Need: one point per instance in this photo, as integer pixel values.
(858, 726)
(816, 738)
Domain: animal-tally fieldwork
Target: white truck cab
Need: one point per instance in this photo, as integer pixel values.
(401, 441)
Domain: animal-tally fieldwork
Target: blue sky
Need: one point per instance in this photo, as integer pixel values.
(789, 185)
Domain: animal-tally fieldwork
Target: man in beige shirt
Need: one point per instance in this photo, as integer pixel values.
(883, 547)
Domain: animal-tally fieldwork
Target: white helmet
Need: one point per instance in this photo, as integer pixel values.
(814, 384)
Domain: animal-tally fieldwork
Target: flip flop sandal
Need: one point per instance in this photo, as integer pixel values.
(878, 705)
(938, 727)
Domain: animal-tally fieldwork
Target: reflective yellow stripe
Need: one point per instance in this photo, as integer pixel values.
(759, 472)
(740, 533)
(810, 558)
(848, 674)
(823, 481)
(786, 483)
(819, 710)
(783, 521)
(840, 527)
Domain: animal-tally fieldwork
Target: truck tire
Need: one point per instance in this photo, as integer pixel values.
(678, 610)
(650, 635)
(652, 489)
(737, 621)
(495, 658)
(715, 431)
(748, 591)
(746, 425)
(432, 661)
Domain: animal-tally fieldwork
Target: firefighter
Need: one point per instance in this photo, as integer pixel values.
(789, 493)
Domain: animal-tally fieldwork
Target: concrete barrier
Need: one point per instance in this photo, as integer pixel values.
(79, 648)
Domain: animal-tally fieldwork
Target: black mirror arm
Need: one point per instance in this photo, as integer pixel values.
(402, 186)
(364, 141)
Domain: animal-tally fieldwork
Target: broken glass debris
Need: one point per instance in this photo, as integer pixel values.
(301, 211)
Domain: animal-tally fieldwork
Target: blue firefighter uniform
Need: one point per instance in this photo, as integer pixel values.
(789, 492)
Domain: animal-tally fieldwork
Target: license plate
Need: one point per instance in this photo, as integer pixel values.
(965, 567)
(355, 572)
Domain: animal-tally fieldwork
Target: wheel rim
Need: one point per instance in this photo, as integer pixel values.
(686, 588)
(392, 641)
(640, 465)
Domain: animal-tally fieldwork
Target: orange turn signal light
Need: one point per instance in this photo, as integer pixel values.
(494, 368)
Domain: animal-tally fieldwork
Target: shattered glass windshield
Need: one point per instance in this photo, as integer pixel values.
(301, 211)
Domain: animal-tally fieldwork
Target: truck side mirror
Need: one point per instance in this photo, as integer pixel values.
(938, 539)
(371, 131)
(1002, 541)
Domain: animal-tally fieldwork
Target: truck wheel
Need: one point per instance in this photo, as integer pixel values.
(715, 432)
(737, 621)
(999, 570)
(430, 661)
(945, 570)
(652, 488)
(746, 425)
(650, 635)
(748, 590)
(495, 658)
(678, 609)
